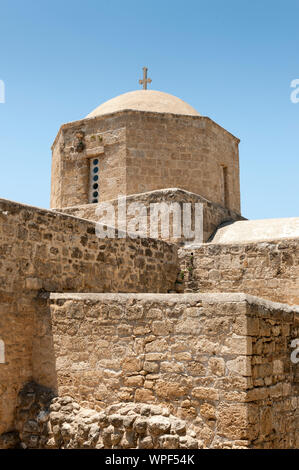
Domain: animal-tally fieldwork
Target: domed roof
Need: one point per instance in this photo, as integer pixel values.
(145, 100)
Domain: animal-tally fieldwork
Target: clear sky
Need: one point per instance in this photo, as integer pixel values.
(233, 60)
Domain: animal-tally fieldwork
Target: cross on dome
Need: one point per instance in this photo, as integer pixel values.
(145, 80)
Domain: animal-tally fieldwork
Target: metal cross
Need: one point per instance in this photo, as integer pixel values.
(145, 80)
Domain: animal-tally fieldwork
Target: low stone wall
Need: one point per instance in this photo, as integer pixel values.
(43, 251)
(120, 426)
(213, 214)
(266, 269)
(47, 250)
(44, 421)
(221, 362)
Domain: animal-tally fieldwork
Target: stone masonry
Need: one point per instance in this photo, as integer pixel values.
(220, 362)
(147, 342)
(267, 269)
(141, 151)
(61, 423)
(43, 251)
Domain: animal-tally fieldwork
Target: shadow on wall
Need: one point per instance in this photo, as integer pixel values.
(26, 351)
(43, 351)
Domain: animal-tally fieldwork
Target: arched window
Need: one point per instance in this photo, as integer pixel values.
(94, 181)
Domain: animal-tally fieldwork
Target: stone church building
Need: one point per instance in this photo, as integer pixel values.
(145, 341)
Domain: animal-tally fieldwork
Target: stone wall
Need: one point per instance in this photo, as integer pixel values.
(171, 151)
(74, 147)
(46, 250)
(43, 251)
(221, 362)
(274, 398)
(213, 214)
(144, 151)
(47, 422)
(16, 330)
(266, 269)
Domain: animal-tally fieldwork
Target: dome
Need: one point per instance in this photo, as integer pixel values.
(145, 100)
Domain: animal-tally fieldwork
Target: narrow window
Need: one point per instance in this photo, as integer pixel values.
(2, 352)
(225, 186)
(94, 181)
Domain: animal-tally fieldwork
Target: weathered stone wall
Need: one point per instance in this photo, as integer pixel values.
(273, 400)
(44, 421)
(188, 152)
(143, 151)
(47, 250)
(43, 251)
(266, 269)
(213, 214)
(221, 362)
(16, 330)
(73, 148)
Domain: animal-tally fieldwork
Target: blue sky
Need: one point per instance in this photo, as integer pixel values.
(232, 60)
